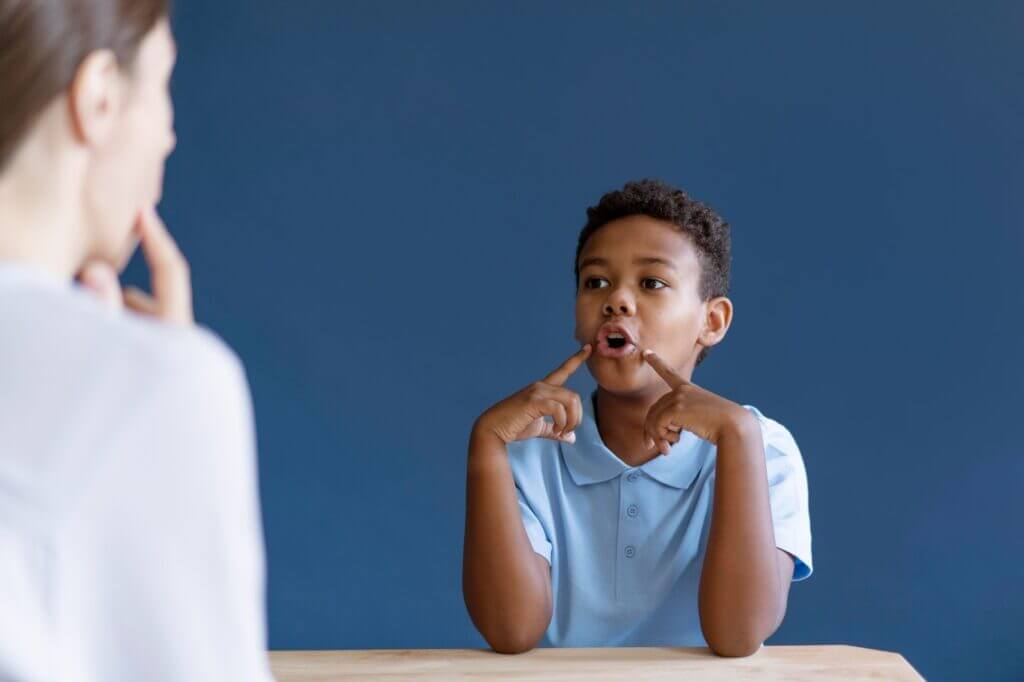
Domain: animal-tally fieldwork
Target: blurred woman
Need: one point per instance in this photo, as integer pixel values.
(130, 539)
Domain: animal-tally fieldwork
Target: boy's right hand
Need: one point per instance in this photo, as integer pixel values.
(522, 415)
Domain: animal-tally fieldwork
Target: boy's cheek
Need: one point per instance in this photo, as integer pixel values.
(578, 331)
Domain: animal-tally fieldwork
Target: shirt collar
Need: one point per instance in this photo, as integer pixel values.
(590, 461)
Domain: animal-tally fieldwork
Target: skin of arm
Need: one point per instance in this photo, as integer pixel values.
(744, 584)
(505, 584)
(745, 579)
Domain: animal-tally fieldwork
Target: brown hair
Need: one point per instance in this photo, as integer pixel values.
(43, 42)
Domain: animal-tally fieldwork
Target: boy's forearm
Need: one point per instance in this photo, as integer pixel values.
(506, 585)
(741, 598)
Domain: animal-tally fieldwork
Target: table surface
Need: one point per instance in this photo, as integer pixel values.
(637, 664)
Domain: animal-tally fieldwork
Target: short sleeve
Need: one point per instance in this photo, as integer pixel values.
(534, 531)
(787, 489)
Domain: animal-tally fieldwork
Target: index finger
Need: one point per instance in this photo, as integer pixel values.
(560, 375)
(664, 371)
(168, 269)
(100, 278)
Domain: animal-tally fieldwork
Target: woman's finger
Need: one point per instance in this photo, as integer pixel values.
(168, 269)
(101, 279)
(141, 302)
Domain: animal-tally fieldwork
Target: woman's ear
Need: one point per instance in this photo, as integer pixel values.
(717, 318)
(95, 98)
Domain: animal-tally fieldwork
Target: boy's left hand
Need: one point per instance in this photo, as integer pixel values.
(688, 407)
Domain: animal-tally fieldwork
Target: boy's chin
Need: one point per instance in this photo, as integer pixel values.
(622, 378)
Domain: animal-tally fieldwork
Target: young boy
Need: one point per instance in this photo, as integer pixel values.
(653, 512)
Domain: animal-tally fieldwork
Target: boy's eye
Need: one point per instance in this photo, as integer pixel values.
(651, 283)
(595, 283)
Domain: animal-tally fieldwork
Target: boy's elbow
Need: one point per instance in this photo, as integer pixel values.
(734, 647)
(509, 623)
(512, 640)
(507, 633)
(733, 639)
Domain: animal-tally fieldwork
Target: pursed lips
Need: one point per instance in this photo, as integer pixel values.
(615, 340)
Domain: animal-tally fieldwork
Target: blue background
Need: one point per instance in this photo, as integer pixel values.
(380, 203)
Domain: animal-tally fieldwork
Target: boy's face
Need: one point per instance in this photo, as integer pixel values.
(640, 280)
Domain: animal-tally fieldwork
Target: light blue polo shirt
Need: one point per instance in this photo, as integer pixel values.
(626, 545)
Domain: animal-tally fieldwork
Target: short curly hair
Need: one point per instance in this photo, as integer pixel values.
(659, 200)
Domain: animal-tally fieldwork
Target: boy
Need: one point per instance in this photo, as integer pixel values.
(653, 512)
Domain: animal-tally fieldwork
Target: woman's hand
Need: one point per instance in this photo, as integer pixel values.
(171, 282)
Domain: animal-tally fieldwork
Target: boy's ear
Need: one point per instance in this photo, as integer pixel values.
(717, 318)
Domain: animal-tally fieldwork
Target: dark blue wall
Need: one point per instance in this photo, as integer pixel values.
(380, 203)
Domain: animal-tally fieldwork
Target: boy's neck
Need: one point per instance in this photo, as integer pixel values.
(620, 421)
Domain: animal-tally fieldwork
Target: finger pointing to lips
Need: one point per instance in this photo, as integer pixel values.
(562, 374)
(671, 377)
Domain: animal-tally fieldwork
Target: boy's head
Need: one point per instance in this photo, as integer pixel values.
(652, 267)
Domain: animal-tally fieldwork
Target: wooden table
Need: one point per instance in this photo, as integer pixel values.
(578, 665)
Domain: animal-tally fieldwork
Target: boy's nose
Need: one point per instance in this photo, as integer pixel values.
(618, 304)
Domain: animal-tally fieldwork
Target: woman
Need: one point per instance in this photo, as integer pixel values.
(130, 541)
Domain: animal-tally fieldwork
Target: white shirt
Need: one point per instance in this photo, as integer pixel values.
(130, 537)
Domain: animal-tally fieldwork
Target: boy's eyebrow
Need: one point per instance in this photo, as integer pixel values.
(654, 260)
(645, 260)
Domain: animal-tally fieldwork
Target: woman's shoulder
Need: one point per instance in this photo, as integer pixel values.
(89, 389)
(66, 328)
(152, 346)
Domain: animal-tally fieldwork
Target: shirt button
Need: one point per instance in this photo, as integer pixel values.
(632, 510)
(632, 477)
(630, 551)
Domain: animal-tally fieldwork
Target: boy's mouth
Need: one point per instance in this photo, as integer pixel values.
(615, 341)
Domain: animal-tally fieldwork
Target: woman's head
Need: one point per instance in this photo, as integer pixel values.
(84, 86)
